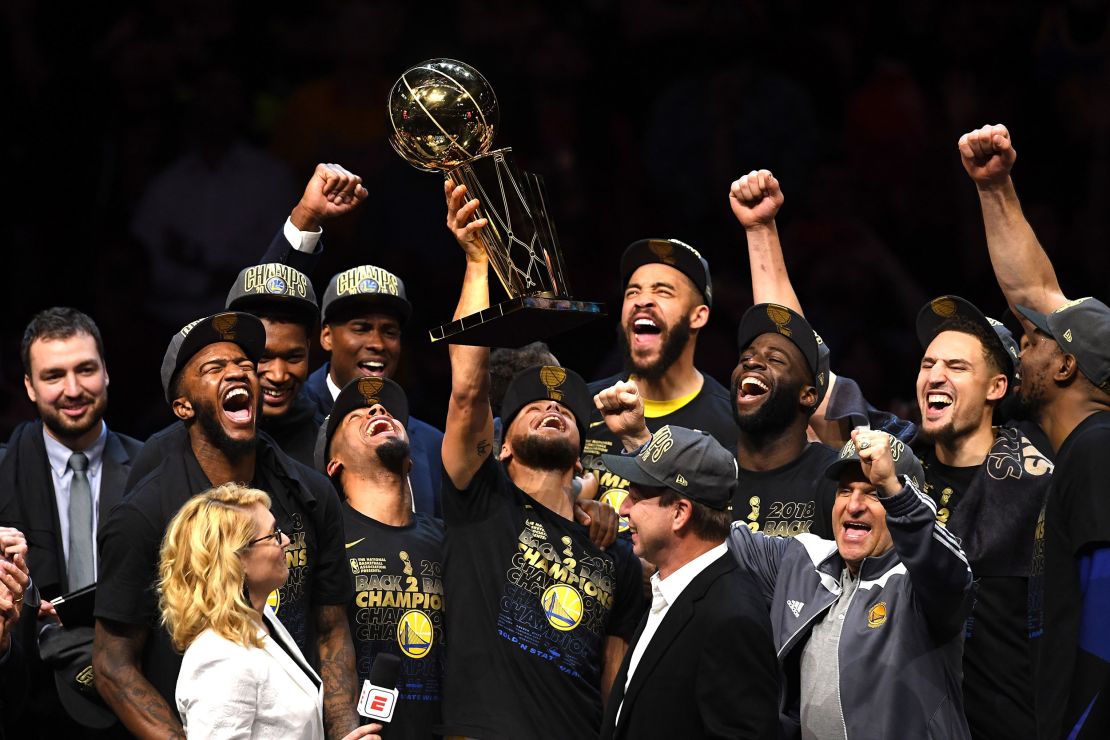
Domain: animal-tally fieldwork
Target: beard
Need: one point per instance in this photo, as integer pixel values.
(63, 428)
(946, 434)
(774, 415)
(393, 454)
(544, 453)
(206, 415)
(674, 342)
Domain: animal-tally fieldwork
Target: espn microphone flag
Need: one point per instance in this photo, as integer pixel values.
(379, 692)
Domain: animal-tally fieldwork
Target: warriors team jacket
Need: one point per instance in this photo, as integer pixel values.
(900, 649)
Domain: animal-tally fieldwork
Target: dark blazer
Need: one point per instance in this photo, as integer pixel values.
(32, 508)
(710, 670)
(280, 250)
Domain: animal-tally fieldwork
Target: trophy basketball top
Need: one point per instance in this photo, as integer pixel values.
(443, 113)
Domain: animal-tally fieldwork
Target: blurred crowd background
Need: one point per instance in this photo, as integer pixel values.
(151, 150)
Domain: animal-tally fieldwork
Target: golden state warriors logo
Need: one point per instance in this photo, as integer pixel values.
(276, 285)
(370, 388)
(369, 285)
(943, 307)
(415, 634)
(563, 606)
(615, 497)
(274, 600)
(224, 323)
(780, 316)
(553, 376)
(876, 615)
(663, 251)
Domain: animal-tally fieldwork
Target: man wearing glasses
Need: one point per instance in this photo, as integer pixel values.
(208, 375)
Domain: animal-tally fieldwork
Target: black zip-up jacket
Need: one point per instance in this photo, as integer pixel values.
(900, 650)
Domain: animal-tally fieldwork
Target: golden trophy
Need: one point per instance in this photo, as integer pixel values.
(444, 114)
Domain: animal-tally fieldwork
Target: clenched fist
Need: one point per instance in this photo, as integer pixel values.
(988, 155)
(622, 409)
(755, 199)
(332, 191)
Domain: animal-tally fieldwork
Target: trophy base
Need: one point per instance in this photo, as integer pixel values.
(517, 322)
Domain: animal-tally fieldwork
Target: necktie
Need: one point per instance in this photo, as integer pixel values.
(658, 600)
(80, 566)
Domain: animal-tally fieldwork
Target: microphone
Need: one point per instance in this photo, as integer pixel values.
(379, 692)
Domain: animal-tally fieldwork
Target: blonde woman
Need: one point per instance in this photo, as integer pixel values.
(242, 675)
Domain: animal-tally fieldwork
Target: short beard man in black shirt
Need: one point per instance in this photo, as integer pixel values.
(778, 383)
(208, 375)
(395, 555)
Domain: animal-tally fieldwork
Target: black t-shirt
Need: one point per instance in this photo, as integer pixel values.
(998, 696)
(295, 431)
(532, 602)
(1071, 683)
(710, 411)
(793, 499)
(304, 504)
(398, 608)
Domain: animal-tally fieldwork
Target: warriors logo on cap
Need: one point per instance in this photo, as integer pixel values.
(366, 279)
(553, 376)
(275, 285)
(663, 250)
(224, 323)
(370, 388)
(781, 317)
(944, 307)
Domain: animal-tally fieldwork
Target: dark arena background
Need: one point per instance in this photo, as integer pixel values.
(151, 150)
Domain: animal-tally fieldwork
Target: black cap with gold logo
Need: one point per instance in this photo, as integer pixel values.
(771, 318)
(273, 286)
(679, 255)
(239, 328)
(369, 285)
(548, 383)
(361, 393)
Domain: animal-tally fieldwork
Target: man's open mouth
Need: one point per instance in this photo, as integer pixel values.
(276, 396)
(855, 531)
(751, 388)
(936, 403)
(552, 421)
(237, 405)
(379, 425)
(371, 367)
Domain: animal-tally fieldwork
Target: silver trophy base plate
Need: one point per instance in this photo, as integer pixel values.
(517, 322)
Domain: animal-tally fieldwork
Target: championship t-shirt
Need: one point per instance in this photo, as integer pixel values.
(1072, 670)
(398, 608)
(532, 602)
(790, 500)
(709, 409)
(305, 507)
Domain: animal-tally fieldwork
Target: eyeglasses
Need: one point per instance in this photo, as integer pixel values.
(275, 536)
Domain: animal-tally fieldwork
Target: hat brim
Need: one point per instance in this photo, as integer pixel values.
(837, 467)
(1036, 318)
(626, 467)
(256, 304)
(391, 304)
(85, 712)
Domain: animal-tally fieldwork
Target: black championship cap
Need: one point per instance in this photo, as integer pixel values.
(771, 318)
(273, 286)
(370, 285)
(68, 651)
(1081, 328)
(360, 393)
(548, 383)
(941, 314)
(231, 326)
(905, 462)
(688, 461)
(671, 252)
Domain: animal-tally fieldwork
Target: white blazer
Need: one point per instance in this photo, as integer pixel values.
(226, 690)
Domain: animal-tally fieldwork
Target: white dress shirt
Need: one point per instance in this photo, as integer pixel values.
(57, 456)
(664, 592)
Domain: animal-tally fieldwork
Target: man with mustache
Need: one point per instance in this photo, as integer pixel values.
(62, 474)
(395, 554)
(364, 309)
(1065, 365)
(283, 299)
(208, 376)
(668, 295)
(539, 616)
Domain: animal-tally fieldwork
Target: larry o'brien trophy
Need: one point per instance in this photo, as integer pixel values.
(444, 114)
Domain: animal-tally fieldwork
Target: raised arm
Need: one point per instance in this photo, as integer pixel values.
(755, 200)
(468, 435)
(1020, 264)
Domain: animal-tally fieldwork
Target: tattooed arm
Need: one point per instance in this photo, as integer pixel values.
(468, 435)
(117, 653)
(337, 668)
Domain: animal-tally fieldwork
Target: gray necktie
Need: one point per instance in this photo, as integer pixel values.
(80, 566)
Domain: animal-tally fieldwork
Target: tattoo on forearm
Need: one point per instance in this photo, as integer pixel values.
(484, 447)
(337, 669)
(133, 698)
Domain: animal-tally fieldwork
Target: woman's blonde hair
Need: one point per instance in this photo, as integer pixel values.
(201, 573)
